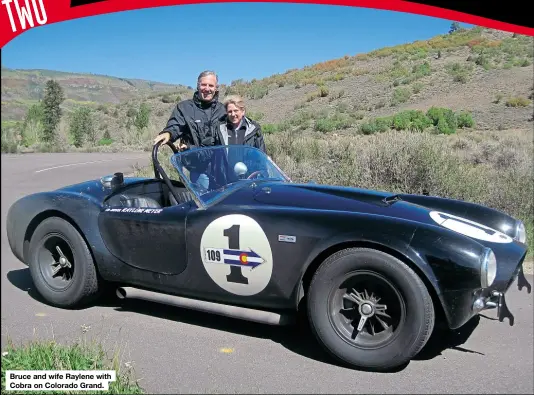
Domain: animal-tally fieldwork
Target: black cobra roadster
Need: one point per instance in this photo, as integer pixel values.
(233, 235)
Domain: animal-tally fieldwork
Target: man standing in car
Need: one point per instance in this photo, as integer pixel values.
(195, 122)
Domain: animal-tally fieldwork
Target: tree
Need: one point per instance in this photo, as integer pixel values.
(142, 117)
(52, 100)
(82, 127)
(33, 125)
(454, 27)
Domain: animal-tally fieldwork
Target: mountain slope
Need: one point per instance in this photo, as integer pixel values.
(483, 72)
(21, 88)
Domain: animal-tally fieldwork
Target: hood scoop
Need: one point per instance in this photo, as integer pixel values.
(322, 197)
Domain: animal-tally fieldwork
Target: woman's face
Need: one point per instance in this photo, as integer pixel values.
(235, 114)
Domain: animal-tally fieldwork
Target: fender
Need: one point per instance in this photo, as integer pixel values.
(368, 236)
(25, 215)
(425, 248)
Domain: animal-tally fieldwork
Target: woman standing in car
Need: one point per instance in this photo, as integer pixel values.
(236, 128)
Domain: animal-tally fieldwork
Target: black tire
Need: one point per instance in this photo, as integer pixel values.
(411, 309)
(80, 284)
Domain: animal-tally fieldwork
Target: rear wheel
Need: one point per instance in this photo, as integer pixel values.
(369, 309)
(61, 264)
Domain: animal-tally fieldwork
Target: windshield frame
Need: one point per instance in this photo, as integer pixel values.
(228, 189)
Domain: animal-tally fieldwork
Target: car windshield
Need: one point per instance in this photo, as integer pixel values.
(214, 172)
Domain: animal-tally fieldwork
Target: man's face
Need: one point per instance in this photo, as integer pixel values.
(207, 87)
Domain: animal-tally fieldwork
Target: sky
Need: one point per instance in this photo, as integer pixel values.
(237, 40)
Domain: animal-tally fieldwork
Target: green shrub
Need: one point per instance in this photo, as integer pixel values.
(105, 141)
(377, 125)
(517, 102)
(256, 116)
(422, 70)
(465, 120)
(443, 119)
(400, 95)
(323, 91)
(459, 72)
(269, 128)
(336, 121)
(414, 120)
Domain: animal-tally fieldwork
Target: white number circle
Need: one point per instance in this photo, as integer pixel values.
(237, 255)
(469, 228)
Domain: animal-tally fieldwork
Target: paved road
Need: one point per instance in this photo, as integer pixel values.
(180, 351)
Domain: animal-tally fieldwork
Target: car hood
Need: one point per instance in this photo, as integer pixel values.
(420, 208)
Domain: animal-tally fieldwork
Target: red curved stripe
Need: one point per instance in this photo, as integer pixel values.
(60, 10)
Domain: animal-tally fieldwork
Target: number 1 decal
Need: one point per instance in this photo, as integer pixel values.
(237, 255)
(236, 272)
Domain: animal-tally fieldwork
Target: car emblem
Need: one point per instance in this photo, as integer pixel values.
(287, 239)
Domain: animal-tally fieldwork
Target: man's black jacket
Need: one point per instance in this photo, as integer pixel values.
(196, 123)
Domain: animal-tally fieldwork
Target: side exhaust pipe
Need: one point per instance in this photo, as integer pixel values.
(259, 316)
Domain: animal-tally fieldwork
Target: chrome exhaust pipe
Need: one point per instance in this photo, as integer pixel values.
(244, 313)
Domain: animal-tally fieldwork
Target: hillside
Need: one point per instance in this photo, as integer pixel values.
(21, 88)
(484, 72)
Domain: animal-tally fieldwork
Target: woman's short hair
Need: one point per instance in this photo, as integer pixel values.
(235, 100)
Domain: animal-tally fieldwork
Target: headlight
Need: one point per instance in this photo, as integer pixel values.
(488, 269)
(521, 233)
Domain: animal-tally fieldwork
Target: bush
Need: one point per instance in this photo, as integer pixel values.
(460, 73)
(377, 125)
(167, 99)
(443, 119)
(517, 102)
(105, 141)
(81, 126)
(465, 120)
(269, 128)
(337, 121)
(413, 120)
(400, 95)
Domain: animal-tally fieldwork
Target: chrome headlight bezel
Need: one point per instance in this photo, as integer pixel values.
(488, 268)
(521, 232)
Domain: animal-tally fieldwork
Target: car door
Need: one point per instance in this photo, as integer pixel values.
(147, 238)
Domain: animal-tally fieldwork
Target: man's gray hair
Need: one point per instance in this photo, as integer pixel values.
(206, 73)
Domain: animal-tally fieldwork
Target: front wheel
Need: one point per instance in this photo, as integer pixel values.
(61, 264)
(369, 309)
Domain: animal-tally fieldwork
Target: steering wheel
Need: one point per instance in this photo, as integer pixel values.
(159, 173)
(155, 163)
(254, 173)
